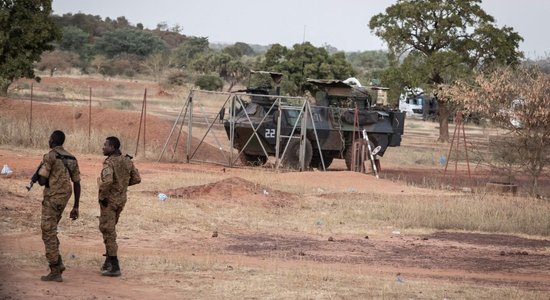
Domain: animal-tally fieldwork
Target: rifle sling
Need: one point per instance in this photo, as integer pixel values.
(64, 159)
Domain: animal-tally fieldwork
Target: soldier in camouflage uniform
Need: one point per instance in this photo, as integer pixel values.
(57, 170)
(117, 174)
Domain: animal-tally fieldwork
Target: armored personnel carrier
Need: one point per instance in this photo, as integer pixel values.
(341, 112)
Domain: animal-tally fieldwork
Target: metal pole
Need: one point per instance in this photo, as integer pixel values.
(278, 134)
(303, 132)
(450, 151)
(90, 118)
(30, 118)
(316, 137)
(232, 131)
(189, 130)
(144, 119)
(374, 168)
(354, 152)
(458, 124)
(172, 131)
(466, 150)
(139, 130)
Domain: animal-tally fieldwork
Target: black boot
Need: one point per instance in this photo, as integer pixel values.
(107, 264)
(61, 265)
(114, 271)
(55, 273)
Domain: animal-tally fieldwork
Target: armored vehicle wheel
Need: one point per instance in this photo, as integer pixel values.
(253, 160)
(316, 161)
(292, 155)
(349, 151)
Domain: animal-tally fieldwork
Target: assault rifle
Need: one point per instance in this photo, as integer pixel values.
(35, 177)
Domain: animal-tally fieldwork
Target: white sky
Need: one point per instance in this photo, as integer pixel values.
(342, 24)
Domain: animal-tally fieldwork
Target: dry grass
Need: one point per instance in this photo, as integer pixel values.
(16, 133)
(217, 276)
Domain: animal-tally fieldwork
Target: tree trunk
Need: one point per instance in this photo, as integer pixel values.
(443, 122)
(4, 84)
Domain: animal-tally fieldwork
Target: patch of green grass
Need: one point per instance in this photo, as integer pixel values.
(123, 104)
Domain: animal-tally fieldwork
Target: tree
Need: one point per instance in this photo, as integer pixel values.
(98, 62)
(26, 30)
(156, 64)
(129, 41)
(209, 83)
(305, 61)
(517, 100)
(450, 38)
(238, 50)
(233, 70)
(56, 61)
(186, 52)
(369, 65)
(74, 39)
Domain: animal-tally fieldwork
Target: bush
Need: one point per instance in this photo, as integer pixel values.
(123, 104)
(177, 78)
(209, 83)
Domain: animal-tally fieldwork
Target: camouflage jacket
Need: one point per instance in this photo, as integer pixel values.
(118, 173)
(60, 168)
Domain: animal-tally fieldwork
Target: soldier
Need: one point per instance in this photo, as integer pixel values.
(118, 173)
(57, 170)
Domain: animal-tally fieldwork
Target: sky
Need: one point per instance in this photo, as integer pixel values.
(342, 24)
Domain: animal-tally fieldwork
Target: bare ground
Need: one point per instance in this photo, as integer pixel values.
(191, 263)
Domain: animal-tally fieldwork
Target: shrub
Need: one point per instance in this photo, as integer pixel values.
(209, 83)
(177, 78)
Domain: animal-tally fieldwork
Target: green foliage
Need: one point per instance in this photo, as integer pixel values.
(177, 78)
(369, 64)
(95, 26)
(305, 61)
(74, 39)
(209, 83)
(122, 104)
(26, 30)
(188, 51)
(442, 41)
(230, 69)
(238, 50)
(440, 31)
(129, 41)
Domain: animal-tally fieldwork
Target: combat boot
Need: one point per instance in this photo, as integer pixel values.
(61, 265)
(114, 271)
(107, 264)
(55, 274)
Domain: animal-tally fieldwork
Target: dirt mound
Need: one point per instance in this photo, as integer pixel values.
(234, 189)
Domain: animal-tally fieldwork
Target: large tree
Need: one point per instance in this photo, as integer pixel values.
(129, 41)
(444, 40)
(26, 30)
(305, 61)
(189, 50)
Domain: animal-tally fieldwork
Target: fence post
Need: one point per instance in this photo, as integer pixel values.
(90, 119)
(30, 118)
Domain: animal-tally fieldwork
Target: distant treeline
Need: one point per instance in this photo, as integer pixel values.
(115, 47)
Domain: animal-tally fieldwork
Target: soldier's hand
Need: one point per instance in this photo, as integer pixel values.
(74, 214)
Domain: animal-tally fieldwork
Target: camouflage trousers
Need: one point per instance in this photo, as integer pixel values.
(108, 218)
(52, 209)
